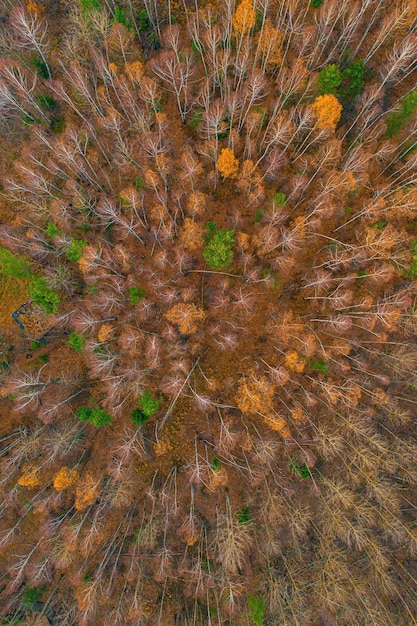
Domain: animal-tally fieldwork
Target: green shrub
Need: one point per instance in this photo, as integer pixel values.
(398, 118)
(316, 3)
(138, 417)
(89, 5)
(40, 294)
(411, 272)
(244, 516)
(57, 124)
(52, 230)
(94, 415)
(76, 341)
(121, 18)
(40, 66)
(353, 78)
(145, 23)
(75, 249)
(300, 469)
(47, 102)
(139, 182)
(13, 266)
(320, 366)
(216, 464)
(279, 198)
(148, 404)
(258, 216)
(258, 608)
(329, 79)
(218, 252)
(31, 595)
(136, 294)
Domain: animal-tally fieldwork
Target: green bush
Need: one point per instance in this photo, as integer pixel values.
(138, 417)
(46, 102)
(258, 608)
(40, 294)
(148, 404)
(353, 78)
(31, 595)
(316, 3)
(244, 516)
(300, 469)
(398, 118)
(145, 23)
(94, 415)
(218, 252)
(76, 341)
(11, 265)
(216, 464)
(279, 198)
(89, 5)
(75, 249)
(136, 294)
(121, 17)
(40, 66)
(411, 272)
(320, 366)
(329, 79)
(52, 230)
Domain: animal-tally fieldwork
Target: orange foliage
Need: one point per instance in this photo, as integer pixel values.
(186, 317)
(327, 110)
(196, 203)
(86, 492)
(29, 478)
(35, 9)
(244, 18)
(191, 234)
(293, 361)
(227, 164)
(65, 478)
(298, 415)
(270, 40)
(134, 70)
(105, 332)
(255, 395)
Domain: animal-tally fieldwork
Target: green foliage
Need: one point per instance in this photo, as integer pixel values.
(258, 216)
(320, 366)
(300, 469)
(411, 272)
(75, 250)
(316, 3)
(121, 18)
(148, 404)
(94, 415)
(145, 23)
(258, 608)
(398, 118)
(31, 595)
(40, 66)
(11, 265)
(89, 5)
(279, 198)
(52, 230)
(46, 102)
(197, 118)
(136, 294)
(216, 464)
(40, 294)
(57, 124)
(155, 41)
(76, 341)
(218, 252)
(244, 516)
(353, 78)
(329, 79)
(139, 182)
(138, 417)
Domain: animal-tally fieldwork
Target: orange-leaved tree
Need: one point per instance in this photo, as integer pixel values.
(327, 110)
(65, 478)
(227, 164)
(244, 18)
(185, 316)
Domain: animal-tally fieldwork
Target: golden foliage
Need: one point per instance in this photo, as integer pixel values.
(134, 70)
(227, 164)
(298, 415)
(294, 362)
(113, 68)
(244, 18)
(196, 203)
(270, 40)
(35, 9)
(191, 234)
(86, 492)
(105, 332)
(186, 317)
(255, 395)
(30, 477)
(327, 110)
(161, 447)
(279, 424)
(65, 478)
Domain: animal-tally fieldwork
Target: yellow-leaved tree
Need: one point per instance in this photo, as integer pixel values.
(66, 477)
(244, 18)
(227, 164)
(327, 110)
